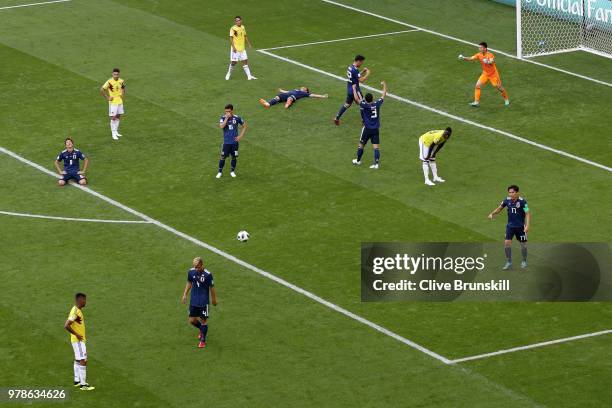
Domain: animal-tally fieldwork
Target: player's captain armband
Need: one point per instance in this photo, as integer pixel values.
(526, 208)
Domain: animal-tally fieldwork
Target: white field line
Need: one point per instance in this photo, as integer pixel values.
(449, 37)
(51, 217)
(238, 261)
(448, 115)
(530, 346)
(340, 39)
(34, 4)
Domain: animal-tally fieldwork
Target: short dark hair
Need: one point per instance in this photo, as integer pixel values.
(513, 187)
(116, 70)
(359, 57)
(229, 106)
(369, 97)
(237, 17)
(448, 131)
(307, 90)
(80, 295)
(484, 44)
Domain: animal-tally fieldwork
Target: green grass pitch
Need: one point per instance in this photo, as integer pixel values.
(306, 207)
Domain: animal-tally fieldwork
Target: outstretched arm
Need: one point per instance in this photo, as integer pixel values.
(312, 95)
(461, 57)
(384, 93)
(495, 212)
(281, 90)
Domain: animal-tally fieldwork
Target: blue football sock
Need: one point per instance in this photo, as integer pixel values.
(221, 165)
(359, 153)
(233, 163)
(341, 112)
(204, 330)
(273, 101)
(197, 324)
(376, 156)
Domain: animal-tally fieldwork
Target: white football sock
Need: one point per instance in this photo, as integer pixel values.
(230, 69)
(247, 71)
(77, 377)
(83, 374)
(117, 125)
(426, 170)
(434, 169)
(112, 126)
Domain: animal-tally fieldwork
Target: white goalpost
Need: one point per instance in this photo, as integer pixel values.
(545, 27)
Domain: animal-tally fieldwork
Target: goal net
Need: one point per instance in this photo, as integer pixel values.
(552, 26)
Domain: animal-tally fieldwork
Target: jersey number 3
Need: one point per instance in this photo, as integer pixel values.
(374, 113)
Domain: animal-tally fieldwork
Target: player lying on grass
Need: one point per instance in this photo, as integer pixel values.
(354, 78)
(71, 158)
(519, 218)
(231, 139)
(75, 325)
(430, 144)
(489, 73)
(289, 97)
(200, 282)
(370, 116)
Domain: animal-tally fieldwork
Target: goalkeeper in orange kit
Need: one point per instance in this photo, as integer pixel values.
(489, 73)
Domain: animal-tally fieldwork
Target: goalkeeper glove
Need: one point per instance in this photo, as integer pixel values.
(461, 56)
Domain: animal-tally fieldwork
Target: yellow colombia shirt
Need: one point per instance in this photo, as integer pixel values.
(239, 34)
(433, 137)
(76, 315)
(114, 88)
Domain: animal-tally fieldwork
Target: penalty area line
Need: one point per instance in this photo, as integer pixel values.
(34, 4)
(447, 114)
(51, 217)
(240, 262)
(339, 39)
(530, 346)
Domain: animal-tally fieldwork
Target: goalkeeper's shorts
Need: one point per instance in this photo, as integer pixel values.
(495, 79)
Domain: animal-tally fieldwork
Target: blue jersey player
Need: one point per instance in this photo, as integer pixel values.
(519, 219)
(289, 97)
(72, 164)
(370, 116)
(231, 139)
(354, 79)
(200, 282)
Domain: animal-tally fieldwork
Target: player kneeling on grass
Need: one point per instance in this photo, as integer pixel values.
(200, 282)
(519, 218)
(71, 158)
(430, 144)
(489, 73)
(370, 116)
(75, 324)
(231, 139)
(289, 97)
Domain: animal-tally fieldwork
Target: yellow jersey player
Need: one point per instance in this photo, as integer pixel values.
(430, 144)
(238, 38)
(76, 326)
(489, 73)
(113, 91)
